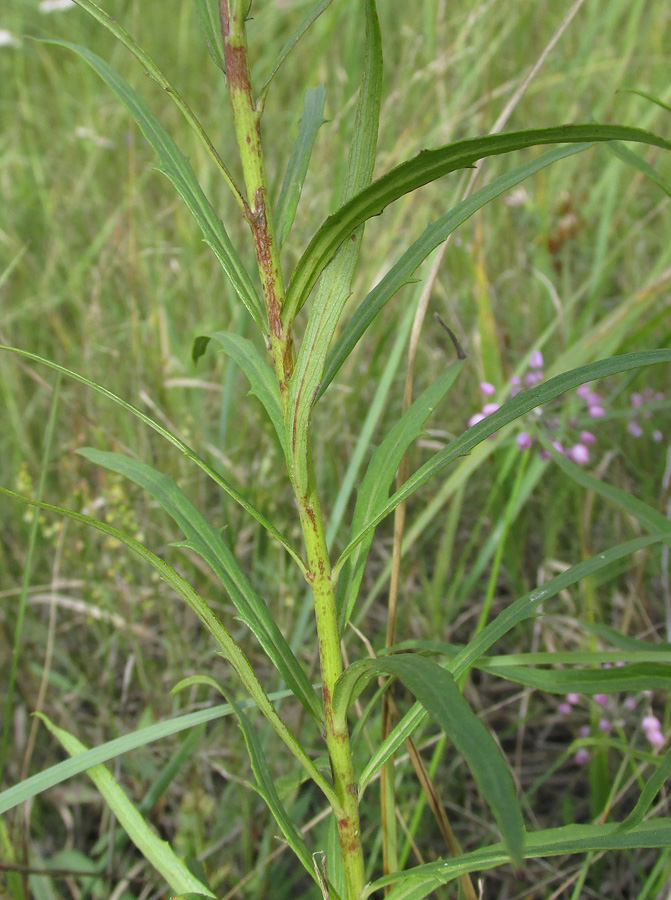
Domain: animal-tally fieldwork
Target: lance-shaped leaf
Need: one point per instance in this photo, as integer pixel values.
(374, 489)
(229, 647)
(422, 169)
(208, 16)
(176, 442)
(207, 542)
(439, 694)
(177, 168)
(60, 772)
(649, 518)
(512, 409)
(259, 374)
(264, 786)
(156, 851)
(653, 786)
(419, 882)
(521, 609)
(635, 678)
(335, 286)
(311, 121)
(402, 272)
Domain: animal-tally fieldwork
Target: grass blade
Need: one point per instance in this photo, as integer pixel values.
(311, 17)
(158, 852)
(311, 121)
(512, 409)
(207, 542)
(422, 169)
(374, 489)
(60, 772)
(177, 168)
(229, 647)
(438, 693)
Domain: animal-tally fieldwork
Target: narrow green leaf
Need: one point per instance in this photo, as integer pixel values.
(633, 159)
(208, 16)
(512, 409)
(426, 167)
(439, 694)
(259, 374)
(374, 489)
(646, 96)
(652, 787)
(518, 611)
(650, 518)
(419, 882)
(60, 772)
(402, 272)
(311, 17)
(265, 786)
(311, 121)
(335, 286)
(158, 852)
(207, 542)
(176, 442)
(177, 168)
(229, 647)
(634, 678)
(151, 69)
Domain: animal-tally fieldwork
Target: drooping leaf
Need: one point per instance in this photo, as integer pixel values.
(158, 852)
(60, 772)
(422, 169)
(210, 22)
(264, 786)
(229, 647)
(335, 286)
(512, 409)
(259, 374)
(627, 155)
(434, 234)
(650, 518)
(177, 168)
(176, 442)
(207, 542)
(521, 609)
(374, 489)
(419, 882)
(311, 121)
(439, 694)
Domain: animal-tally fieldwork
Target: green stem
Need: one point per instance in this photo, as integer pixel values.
(337, 735)
(246, 117)
(247, 124)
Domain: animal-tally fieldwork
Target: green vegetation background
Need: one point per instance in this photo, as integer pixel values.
(103, 271)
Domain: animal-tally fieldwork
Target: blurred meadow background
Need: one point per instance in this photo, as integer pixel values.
(103, 271)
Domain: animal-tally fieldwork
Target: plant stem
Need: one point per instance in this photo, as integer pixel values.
(246, 117)
(247, 124)
(330, 657)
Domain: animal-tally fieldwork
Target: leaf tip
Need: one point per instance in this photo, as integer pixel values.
(199, 347)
